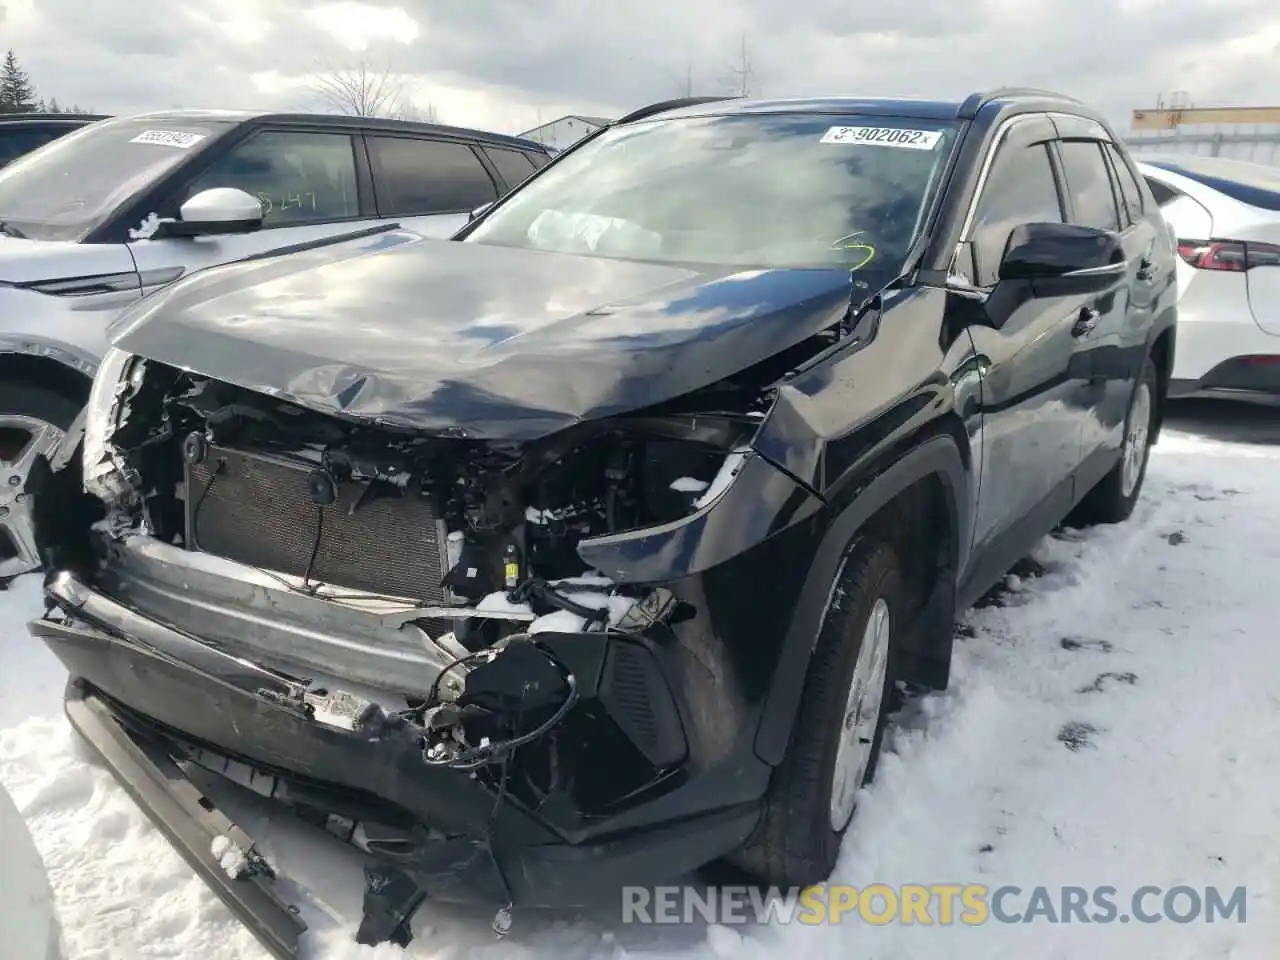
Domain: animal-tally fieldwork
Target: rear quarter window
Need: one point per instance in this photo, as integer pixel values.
(416, 177)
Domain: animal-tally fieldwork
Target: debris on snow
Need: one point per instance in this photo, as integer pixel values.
(1104, 678)
(1077, 643)
(1076, 736)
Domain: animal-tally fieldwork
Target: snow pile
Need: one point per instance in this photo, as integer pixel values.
(1112, 721)
(233, 860)
(689, 485)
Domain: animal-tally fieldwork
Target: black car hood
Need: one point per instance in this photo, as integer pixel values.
(476, 340)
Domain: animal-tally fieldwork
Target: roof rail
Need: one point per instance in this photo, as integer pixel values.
(665, 105)
(976, 101)
(60, 115)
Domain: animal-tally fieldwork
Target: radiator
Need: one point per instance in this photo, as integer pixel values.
(255, 509)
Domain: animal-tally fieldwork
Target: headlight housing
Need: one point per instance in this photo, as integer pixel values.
(104, 476)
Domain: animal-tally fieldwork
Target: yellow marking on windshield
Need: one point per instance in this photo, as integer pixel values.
(852, 242)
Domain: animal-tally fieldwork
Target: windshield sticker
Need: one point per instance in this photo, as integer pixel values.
(169, 138)
(884, 137)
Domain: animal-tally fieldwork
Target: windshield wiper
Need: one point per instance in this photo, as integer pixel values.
(9, 230)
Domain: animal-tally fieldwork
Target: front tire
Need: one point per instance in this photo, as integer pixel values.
(835, 743)
(1115, 496)
(33, 423)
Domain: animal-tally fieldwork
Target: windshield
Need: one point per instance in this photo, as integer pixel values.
(749, 191)
(65, 189)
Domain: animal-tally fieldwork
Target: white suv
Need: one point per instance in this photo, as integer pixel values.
(103, 216)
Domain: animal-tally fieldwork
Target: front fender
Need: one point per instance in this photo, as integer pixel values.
(939, 456)
(68, 330)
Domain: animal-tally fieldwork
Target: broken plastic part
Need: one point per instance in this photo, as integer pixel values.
(340, 709)
(391, 897)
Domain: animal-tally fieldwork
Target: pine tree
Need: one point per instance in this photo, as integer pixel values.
(53, 105)
(16, 93)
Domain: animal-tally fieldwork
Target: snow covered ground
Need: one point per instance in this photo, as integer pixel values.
(1114, 721)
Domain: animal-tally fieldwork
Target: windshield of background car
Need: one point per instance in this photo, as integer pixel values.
(750, 191)
(67, 188)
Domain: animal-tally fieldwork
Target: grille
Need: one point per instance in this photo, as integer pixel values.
(256, 510)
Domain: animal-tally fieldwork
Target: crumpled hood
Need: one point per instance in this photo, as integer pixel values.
(477, 340)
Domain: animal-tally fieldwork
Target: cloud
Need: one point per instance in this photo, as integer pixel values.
(509, 66)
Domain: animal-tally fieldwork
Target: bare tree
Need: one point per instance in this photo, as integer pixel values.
(362, 89)
(741, 71)
(420, 113)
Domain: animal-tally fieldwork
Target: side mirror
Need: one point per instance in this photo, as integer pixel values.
(219, 210)
(478, 211)
(1063, 258)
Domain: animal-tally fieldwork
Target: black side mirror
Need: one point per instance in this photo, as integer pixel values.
(1061, 258)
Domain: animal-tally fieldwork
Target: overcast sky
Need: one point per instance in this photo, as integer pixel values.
(510, 65)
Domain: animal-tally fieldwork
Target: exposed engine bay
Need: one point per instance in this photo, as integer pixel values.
(475, 541)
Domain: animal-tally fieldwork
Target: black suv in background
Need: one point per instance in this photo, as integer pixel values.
(629, 503)
(20, 133)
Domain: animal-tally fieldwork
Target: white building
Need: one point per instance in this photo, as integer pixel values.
(1237, 133)
(559, 134)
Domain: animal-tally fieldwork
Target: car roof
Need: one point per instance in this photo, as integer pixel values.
(1003, 99)
(339, 122)
(68, 118)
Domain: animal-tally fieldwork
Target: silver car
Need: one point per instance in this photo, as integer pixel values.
(103, 216)
(28, 920)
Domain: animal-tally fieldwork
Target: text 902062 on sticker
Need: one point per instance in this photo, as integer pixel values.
(884, 137)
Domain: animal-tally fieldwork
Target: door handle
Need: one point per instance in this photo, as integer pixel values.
(1085, 322)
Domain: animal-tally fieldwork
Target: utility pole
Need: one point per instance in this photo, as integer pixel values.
(743, 72)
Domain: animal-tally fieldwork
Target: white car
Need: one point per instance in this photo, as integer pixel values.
(1226, 217)
(28, 920)
(103, 216)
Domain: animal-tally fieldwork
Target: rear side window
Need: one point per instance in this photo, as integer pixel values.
(1089, 185)
(1020, 189)
(513, 165)
(1130, 192)
(15, 143)
(421, 177)
(539, 160)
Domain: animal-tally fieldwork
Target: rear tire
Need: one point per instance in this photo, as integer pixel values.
(1116, 494)
(804, 820)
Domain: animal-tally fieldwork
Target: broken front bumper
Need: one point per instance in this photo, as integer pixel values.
(156, 701)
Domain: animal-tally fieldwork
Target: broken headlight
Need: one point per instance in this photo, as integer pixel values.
(104, 477)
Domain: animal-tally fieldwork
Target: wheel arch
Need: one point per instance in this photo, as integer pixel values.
(63, 374)
(933, 473)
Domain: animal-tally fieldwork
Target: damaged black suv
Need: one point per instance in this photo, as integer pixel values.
(587, 547)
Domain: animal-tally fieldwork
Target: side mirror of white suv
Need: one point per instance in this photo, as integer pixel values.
(219, 210)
